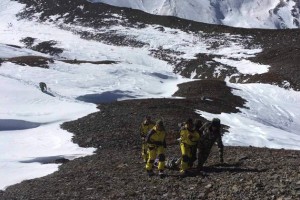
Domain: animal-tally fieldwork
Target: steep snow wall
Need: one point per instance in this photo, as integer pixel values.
(268, 14)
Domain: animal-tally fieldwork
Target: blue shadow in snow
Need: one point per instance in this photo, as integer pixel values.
(47, 160)
(105, 97)
(49, 93)
(14, 124)
(161, 76)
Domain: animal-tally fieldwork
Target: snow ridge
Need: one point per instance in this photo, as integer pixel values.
(266, 14)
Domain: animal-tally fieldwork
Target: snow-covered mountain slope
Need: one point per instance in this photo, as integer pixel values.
(269, 14)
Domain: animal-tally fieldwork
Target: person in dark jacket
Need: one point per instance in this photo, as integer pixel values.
(197, 126)
(43, 86)
(211, 133)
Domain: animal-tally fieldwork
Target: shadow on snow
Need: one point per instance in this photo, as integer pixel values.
(105, 97)
(14, 124)
(47, 160)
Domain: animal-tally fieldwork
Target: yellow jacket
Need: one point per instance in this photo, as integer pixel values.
(189, 137)
(145, 128)
(156, 137)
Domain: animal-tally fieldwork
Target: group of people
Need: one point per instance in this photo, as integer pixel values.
(195, 137)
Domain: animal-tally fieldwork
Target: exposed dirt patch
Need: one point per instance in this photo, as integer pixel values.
(75, 61)
(43, 62)
(28, 41)
(204, 67)
(43, 47)
(211, 92)
(285, 64)
(166, 54)
(32, 61)
(48, 48)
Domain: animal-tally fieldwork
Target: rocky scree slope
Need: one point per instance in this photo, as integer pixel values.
(116, 171)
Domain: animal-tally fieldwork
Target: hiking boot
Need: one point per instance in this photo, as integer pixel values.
(199, 167)
(161, 174)
(150, 172)
(183, 173)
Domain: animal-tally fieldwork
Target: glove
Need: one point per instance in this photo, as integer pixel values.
(158, 143)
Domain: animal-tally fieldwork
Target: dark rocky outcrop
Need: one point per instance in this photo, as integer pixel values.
(32, 61)
(103, 62)
(47, 47)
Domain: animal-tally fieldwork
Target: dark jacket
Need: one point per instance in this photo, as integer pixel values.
(208, 138)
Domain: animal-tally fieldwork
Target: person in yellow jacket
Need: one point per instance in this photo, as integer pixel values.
(188, 141)
(156, 142)
(145, 127)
